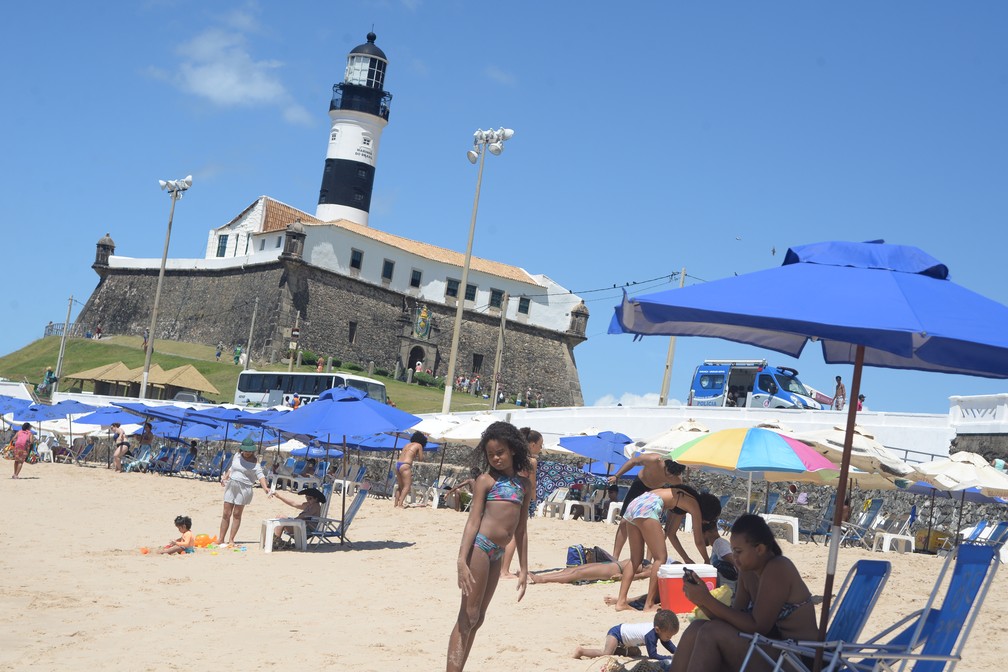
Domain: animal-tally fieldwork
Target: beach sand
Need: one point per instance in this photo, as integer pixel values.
(78, 593)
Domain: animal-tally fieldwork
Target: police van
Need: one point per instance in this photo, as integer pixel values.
(748, 382)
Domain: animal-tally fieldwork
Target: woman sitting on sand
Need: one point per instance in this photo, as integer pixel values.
(771, 599)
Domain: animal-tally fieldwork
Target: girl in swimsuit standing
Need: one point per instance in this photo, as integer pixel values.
(645, 529)
(771, 599)
(499, 511)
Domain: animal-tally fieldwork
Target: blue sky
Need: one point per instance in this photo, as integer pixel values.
(649, 137)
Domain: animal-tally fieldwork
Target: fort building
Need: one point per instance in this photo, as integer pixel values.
(352, 291)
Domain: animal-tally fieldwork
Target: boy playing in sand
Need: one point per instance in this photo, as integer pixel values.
(625, 639)
(184, 544)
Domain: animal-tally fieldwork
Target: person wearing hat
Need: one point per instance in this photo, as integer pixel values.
(311, 511)
(238, 480)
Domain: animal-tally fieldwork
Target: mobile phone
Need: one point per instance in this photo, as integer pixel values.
(691, 577)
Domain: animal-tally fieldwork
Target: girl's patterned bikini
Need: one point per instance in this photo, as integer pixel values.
(504, 489)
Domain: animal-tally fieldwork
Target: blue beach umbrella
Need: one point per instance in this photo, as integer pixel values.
(605, 447)
(342, 412)
(890, 306)
(12, 404)
(106, 415)
(383, 442)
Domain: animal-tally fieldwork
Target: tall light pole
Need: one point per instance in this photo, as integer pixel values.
(482, 141)
(175, 189)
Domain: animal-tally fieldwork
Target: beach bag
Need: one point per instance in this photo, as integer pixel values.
(576, 555)
(8, 451)
(33, 456)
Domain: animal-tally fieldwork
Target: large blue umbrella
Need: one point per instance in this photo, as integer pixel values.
(12, 404)
(605, 447)
(383, 442)
(106, 415)
(346, 412)
(890, 306)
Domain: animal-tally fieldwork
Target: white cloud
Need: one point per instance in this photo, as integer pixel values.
(500, 76)
(298, 115)
(219, 66)
(220, 69)
(631, 399)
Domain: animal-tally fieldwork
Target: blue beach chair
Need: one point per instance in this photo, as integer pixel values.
(939, 633)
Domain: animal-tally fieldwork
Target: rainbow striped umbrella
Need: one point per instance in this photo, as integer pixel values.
(761, 453)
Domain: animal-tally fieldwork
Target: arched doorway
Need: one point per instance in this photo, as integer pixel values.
(417, 354)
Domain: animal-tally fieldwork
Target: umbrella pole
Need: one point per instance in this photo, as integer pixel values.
(962, 503)
(440, 467)
(927, 542)
(766, 499)
(345, 484)
(748, 499)
(831, 562)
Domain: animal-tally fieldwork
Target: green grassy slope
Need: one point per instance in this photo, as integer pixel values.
(82, 354)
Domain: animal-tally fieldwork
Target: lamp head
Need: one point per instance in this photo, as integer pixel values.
(496, 148)
(505, 133)
(472, 155)
(187, 182)
(164, 185)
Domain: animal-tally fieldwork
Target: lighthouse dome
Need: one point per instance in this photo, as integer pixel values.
(369, 48)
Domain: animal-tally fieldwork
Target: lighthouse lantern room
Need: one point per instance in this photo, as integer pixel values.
(359, 111)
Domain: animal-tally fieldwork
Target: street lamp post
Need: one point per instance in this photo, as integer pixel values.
(482, 141)
(175, 189)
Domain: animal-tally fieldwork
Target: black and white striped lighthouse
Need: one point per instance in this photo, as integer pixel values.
(359, 111)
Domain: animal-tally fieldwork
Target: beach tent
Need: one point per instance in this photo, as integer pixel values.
(873, 304)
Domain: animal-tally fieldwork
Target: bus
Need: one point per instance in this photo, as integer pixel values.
(270, 388)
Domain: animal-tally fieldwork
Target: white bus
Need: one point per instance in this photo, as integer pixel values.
(269, 388)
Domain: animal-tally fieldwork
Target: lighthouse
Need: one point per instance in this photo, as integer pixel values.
(359, 111)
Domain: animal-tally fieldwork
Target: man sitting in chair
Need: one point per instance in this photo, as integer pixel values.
(310, 507)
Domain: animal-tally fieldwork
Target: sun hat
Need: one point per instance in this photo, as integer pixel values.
(313, 492)
(248, 445)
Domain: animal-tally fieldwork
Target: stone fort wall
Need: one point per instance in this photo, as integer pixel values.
(207, 306)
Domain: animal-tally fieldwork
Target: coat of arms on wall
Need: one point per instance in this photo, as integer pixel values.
(422, 322)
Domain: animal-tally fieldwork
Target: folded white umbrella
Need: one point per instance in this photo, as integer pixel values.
(962, 471)
(668, 440)
(867, 454)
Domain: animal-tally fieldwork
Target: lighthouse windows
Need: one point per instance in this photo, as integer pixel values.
(365, 71)
(388, 268)
(470, 293)
(415, 278)
(222, 245)
(356, 259)
(496, 298)
(451, 288)
(523, 305)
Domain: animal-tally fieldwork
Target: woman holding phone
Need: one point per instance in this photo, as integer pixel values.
(771, 598)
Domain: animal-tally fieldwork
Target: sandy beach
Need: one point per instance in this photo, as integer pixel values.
(78, 593)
